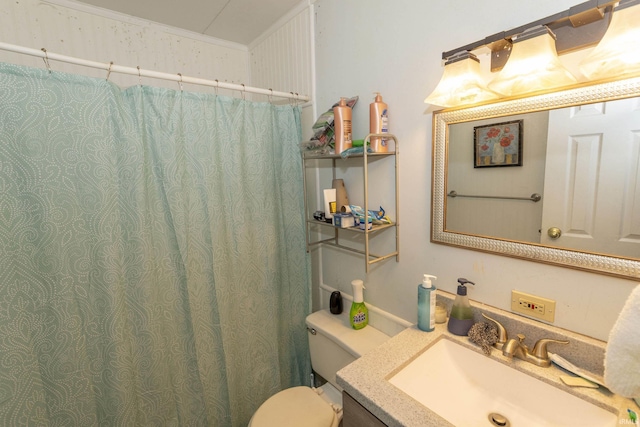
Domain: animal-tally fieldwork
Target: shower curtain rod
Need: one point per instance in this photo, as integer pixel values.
(113, 68)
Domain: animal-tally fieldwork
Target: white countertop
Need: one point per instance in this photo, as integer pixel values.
(366, 380)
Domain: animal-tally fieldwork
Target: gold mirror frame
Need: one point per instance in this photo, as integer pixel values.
(578, 95)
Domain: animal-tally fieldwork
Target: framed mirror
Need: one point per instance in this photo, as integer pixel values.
(576, 151)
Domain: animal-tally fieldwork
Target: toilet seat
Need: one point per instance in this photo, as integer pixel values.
(296, 407)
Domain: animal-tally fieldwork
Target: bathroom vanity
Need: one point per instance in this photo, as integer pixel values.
(356, 415)
(370, 399)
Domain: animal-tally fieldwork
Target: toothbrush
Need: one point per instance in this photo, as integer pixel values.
(564, 363)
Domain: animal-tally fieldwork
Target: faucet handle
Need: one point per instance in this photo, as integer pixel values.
(540, 349)
(521, 338)
(502, 332)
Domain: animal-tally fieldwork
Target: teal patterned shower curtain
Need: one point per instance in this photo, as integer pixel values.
(152, 258)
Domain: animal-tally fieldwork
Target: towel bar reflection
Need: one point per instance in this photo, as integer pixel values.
(535, 197)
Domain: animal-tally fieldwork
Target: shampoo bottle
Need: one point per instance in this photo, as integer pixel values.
(427, 304)
(342, 122)
(359, 314)
(461, 317)
(378, 123)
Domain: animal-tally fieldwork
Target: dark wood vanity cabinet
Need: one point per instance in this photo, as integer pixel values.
(356, 415)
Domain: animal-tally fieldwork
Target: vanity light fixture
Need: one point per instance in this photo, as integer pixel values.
(533, 65)
(461, 83)
(619, 50)
(526, 57)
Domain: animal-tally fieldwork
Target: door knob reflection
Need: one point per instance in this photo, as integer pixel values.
(554, 232)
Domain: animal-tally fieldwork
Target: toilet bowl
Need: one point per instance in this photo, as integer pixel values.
(333, 344)
(299, 407)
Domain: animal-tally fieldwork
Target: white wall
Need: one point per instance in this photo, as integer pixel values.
(73, 29)
(363, 46)
(282, 57)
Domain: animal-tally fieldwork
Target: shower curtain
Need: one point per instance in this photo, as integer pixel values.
(153, 269)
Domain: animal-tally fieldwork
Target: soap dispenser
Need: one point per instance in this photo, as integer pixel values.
(359, 314)
(427, 304)
(461, 317)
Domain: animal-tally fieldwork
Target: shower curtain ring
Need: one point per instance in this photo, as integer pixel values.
(109, 70)
(46, 59)
(243, 90)
(271, 96)
(180, 82)
(217, 86)
(139, 76)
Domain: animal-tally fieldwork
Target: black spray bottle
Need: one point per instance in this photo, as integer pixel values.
(461, 317)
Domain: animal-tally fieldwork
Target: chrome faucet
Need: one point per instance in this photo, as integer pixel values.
(517, 348)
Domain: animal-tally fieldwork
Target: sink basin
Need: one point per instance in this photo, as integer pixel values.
(465, 387)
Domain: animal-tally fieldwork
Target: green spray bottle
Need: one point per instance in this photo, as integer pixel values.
(359, 314)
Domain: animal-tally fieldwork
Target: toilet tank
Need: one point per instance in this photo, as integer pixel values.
(334, 344)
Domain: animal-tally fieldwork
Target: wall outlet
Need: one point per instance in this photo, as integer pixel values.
(533, 306)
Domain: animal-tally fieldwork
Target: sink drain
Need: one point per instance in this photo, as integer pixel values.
(498, 420)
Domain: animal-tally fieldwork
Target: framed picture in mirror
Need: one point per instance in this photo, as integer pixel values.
(498, 144)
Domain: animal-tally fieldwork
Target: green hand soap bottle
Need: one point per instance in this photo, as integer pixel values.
(359, 314)
(461, 317)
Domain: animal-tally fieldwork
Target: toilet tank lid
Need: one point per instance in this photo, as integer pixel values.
(338, 329)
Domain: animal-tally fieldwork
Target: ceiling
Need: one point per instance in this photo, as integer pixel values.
(239, 21)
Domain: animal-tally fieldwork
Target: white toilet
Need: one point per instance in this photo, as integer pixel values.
(333, 345)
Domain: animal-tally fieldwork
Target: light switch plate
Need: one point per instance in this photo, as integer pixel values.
(533, 306)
